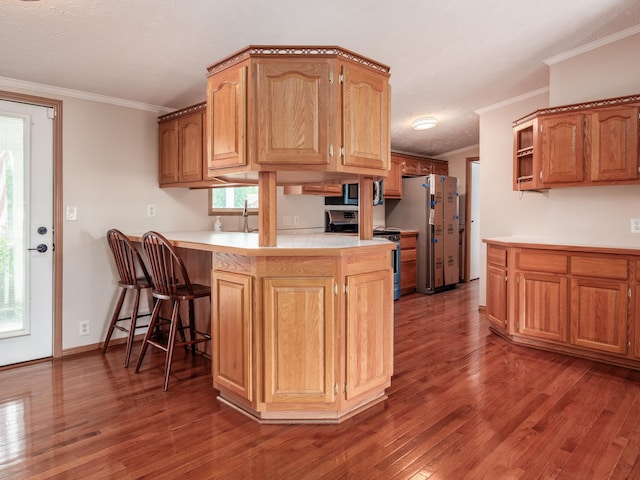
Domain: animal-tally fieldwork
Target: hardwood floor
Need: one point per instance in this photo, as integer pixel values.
(463, 404)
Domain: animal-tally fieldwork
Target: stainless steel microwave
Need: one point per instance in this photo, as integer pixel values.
(350, 194)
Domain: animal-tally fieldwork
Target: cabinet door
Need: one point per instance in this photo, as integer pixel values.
(191, 146)
(542, 305)
(298, 341)
(168, 152)
(231, 330)
(365, 118)
(562, 149)
(292, 105)
(226, 119)
(393, 182)
(614, 144)
(369, 333)
(599, 314)
(497, 296)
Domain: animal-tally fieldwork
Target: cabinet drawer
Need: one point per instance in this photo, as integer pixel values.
(408, 241)
(497, 256)
(541, 261)
(408, 255)
(601, 267)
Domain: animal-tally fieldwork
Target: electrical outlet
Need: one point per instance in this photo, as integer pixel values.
(286, 220)
(635, 225)
(296, 220)
(151, 210)
(84, 328)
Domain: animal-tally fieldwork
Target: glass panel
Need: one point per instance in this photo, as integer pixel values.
(12, 241)
(234, 197)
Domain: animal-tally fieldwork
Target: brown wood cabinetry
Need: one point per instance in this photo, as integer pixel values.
(303, 338)
(406, 165)
(593, 143)
(408, 263)
(575, 300)
(320, 110)
(393, 182)
(181, 146)
(497, 286)
(322, 189)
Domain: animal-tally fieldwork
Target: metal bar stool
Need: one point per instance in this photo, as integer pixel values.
(130, 265)
(170, 283)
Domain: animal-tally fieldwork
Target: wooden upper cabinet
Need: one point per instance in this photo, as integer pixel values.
(393, 182)
(226, 119)
(181, 146)
(323, 111)
(168, 152)
(192, 146)
(292, 107)
(593, 143)
(614, 144)
(365, 118)
(562, 158)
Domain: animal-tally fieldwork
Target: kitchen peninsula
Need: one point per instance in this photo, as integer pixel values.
(302, 325)
(302, 332)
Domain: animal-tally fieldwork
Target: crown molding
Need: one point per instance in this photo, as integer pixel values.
(513, 100)
(9, 83)
(592, 45)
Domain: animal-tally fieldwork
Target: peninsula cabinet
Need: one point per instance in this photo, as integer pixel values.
(576, 300)
(322, 111)
(593, 143)
(302, 339)
(181, 147)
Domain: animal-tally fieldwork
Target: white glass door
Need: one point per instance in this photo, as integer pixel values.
(26, 232)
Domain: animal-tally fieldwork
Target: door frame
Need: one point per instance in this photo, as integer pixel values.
(467, 217)
(57, 205)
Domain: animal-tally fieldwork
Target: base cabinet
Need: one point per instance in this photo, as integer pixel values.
(408, 262)
(303, 339)
(575, 300)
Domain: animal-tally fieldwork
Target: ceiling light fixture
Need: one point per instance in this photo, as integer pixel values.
(425, 123)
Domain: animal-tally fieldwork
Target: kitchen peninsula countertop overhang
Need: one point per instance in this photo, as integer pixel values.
(246, 244)
(302, 332)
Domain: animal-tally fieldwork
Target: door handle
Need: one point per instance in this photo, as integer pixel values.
(40, 248)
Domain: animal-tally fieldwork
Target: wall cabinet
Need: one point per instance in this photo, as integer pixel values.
(393, 182)
(575, 300)
(322, 189)
(181, 146)
(320, 110)
(593, 143)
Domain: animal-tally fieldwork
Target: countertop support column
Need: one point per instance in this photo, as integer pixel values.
(267, 209)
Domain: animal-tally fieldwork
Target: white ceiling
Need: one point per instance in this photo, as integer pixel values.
(448, 58)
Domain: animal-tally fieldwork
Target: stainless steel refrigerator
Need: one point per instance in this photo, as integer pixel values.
(429, 204)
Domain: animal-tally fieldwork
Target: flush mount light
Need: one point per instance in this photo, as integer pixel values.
(425, 123)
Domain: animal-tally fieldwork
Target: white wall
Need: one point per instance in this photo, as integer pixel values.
(575, 215)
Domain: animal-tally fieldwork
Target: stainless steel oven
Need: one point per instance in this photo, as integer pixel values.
(393, 236)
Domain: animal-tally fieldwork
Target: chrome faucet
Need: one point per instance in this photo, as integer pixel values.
(245, 216)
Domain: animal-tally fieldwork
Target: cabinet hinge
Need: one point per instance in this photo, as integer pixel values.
(342, 151)
(335, 389)
(331, 149)
(331, 77)
(517, 278)
(629, 292)
(541, 127)
(506, 278)
(341, 78)
(346, 289)
(335, 289)
(628, 346)
(540, 174)
(505, 323)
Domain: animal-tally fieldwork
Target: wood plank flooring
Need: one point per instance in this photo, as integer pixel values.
(463, 404)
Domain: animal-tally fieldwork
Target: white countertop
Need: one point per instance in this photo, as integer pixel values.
(247, 243)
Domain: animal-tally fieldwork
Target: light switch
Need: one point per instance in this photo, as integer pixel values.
(72, 213)
(635, 225)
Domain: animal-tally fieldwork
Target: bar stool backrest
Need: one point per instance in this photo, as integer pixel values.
(167, 268)
(128, 260)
